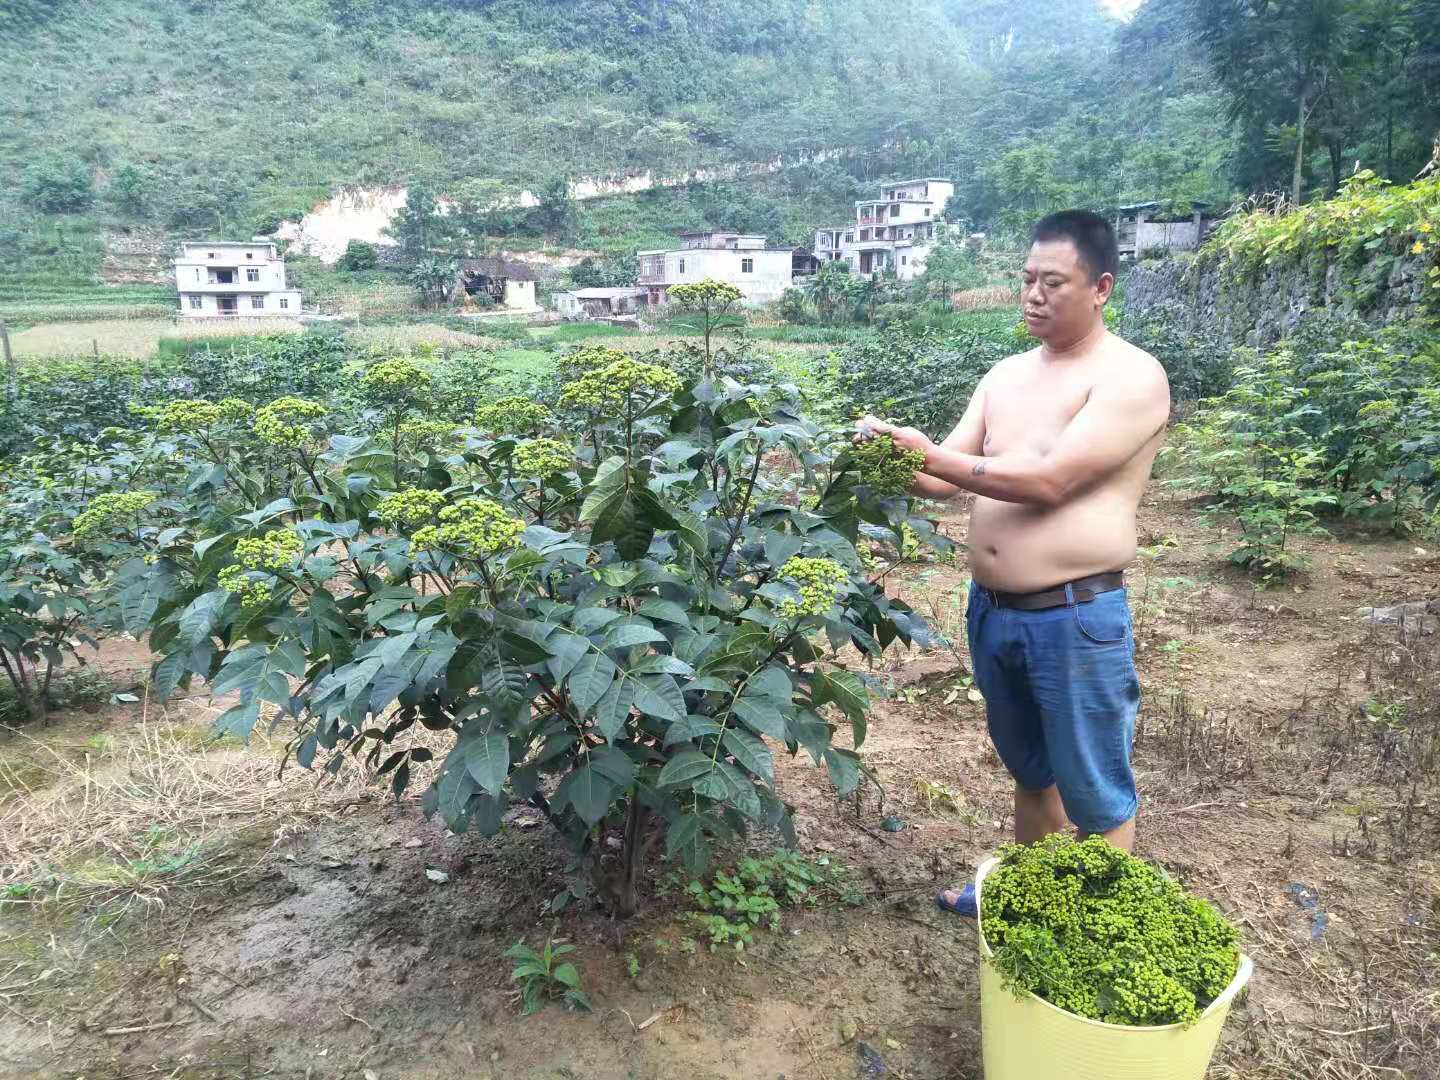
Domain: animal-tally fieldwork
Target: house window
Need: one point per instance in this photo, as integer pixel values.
(864, 235)
(849, 236)
(747, 266)
(904, 260)
(257, 302)
(210, 254)
(249, 254)
(682, 266)
(197, 273)
(195, 302)
(252, 273)
(927, 211)
(895, 209)
(284, 302)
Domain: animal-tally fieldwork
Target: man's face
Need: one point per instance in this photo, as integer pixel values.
(1059, 300)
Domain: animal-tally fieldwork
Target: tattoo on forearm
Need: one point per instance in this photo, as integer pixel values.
(979, 469)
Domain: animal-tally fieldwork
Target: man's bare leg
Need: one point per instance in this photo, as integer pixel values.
(1038, 814)
(1122, 836)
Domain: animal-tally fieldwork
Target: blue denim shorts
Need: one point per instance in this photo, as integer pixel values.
(1061, 696)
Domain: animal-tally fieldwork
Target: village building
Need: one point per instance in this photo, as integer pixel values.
(760, 272)
(1146, 229)
(222, 279)
(892, 233)
(509, 285)
(602, 303)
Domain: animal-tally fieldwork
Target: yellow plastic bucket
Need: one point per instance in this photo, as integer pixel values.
(1030, 1039)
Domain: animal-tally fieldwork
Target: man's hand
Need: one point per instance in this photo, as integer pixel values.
(905, 438)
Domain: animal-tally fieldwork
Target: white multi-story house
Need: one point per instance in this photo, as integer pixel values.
(233, 279)
(760, 273)
(892, 233)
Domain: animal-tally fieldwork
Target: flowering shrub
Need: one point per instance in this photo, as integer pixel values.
(288, 422)
(477, 527)
(108, 511)
(618, 635)
(395, 384)
(511, 416)
(1102, 934)
(542, 457)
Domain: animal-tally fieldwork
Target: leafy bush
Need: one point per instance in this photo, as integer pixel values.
(924, 379)
(1353, 428)
(358, 256)
(57, 185)
(610, 630)
(1104, 935)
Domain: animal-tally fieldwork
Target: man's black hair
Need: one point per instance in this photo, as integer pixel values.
(1092, 235)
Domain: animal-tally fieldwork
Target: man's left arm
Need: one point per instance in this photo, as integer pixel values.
(1111, 428)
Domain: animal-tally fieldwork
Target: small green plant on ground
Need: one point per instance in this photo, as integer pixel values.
(751, 894)
(946, 798)
(543, 976)
(1104, 935)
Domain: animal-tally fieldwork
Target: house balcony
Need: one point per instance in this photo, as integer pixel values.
(651, 279)
(233, 287)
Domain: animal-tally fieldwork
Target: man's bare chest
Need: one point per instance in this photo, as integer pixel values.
(1030, 413)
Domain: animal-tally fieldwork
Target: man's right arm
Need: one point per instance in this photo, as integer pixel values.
(967, 438)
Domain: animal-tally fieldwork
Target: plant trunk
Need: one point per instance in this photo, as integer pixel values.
(1302, 115)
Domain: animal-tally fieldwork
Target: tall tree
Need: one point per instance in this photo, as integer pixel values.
(1299, 46)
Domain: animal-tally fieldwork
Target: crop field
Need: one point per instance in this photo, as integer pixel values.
(137, 337)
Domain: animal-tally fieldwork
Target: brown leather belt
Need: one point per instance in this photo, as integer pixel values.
(1083, 589)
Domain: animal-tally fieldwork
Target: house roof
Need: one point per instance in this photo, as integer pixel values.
(494, 267)
(226, 243)
(607, 293)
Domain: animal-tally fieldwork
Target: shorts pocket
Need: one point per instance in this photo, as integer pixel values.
(1104, 620)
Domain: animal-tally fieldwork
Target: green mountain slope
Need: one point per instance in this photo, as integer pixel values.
(207, 117)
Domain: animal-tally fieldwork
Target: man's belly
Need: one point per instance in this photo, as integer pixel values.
(1018, 548)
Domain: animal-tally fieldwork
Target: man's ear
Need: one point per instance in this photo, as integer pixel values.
(1104, 287)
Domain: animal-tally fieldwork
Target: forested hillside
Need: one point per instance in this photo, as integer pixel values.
(190, 114)
(206, 117)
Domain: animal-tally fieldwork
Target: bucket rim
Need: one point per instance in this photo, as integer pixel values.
(1243, 971)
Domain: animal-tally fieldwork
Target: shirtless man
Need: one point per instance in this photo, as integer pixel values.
(1057, 445)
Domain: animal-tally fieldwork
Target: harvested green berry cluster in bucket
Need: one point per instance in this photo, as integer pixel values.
(1104, 935)
(886, 469)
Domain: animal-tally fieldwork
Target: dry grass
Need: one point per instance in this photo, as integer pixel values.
(986, 299)
(399, 339)
(107, 828)
(133, 337)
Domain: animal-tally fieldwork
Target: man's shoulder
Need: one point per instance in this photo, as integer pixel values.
(1129, 361)
(1014, 362)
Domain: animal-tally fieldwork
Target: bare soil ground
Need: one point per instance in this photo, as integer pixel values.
(201, 915)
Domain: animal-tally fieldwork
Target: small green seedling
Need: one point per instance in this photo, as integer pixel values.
(542, 979)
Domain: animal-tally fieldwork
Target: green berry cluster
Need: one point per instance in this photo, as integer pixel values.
(511, 416)
(190, 416)
(107, 510)
(884, 468)
(253, 589)
(410, 506)
(426, 432)
(821, 583)
(286, 421)
(1104, 935)
(608, 386)
(395, 383)
(543, 457)
(475, 527)
(276, 550)
(589, 358)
